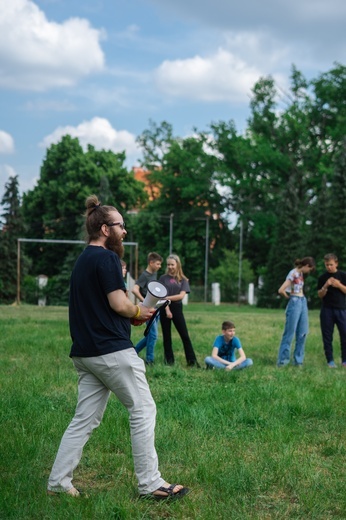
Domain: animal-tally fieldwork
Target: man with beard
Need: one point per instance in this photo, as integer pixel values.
(100, 317)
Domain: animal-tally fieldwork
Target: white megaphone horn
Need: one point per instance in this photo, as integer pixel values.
(156, 291)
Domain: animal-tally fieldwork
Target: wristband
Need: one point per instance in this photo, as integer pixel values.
(138, 313)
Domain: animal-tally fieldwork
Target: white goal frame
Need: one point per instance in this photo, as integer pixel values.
(50, 241)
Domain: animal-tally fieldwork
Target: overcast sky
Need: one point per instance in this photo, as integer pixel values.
(101, 69)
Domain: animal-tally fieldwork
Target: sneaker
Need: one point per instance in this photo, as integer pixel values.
(331, 364)
(343, 364)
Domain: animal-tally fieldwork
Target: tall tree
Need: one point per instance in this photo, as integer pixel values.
(12, 229)
(243, 169)
(182, 176)
(335, 218)
(283, 168)
(68, 175)
(251, 166)
(295, 178)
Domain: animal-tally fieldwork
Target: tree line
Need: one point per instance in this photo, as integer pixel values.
(281, 184)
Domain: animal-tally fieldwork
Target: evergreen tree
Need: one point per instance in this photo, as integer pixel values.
(12, 229)
(336, 217)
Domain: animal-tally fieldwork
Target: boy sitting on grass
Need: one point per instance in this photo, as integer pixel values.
(223, 353)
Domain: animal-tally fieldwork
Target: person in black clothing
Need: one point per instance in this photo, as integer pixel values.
(332, 291)
(177, 286)
(100, 317)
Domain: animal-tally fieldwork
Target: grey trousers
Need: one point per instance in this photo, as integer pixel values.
(122, 373)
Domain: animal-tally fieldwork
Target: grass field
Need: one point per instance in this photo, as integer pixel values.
(263, 443)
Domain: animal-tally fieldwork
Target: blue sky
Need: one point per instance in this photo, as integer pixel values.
(101, 69)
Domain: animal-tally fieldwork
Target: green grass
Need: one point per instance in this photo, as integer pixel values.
(263, 443)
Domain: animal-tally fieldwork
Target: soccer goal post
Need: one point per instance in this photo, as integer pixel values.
(53, 241)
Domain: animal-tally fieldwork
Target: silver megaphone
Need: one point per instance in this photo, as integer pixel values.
(156, 291)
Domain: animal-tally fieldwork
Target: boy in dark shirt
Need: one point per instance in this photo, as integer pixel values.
(331, 288)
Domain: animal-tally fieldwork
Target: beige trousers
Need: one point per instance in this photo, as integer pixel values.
(122, 373)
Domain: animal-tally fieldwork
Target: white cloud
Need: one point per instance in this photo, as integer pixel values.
(219, 77)
(312, 30)
(257, 47)
(281, 16)
(36, 54)
(6, 142)
(99, 133)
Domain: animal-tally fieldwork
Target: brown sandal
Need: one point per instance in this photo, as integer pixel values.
(73, 492)
(170, 493)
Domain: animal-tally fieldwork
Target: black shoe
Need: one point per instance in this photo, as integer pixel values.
(149, 363)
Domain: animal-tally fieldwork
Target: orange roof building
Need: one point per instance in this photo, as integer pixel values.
(143, 175)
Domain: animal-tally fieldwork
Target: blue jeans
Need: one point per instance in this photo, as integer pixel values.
(149, 341)
(296, 324)
(211, 362)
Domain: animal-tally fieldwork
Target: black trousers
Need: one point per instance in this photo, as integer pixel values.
(180, 324)
(330, 317)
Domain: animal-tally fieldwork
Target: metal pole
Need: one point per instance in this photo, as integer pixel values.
(171, 233)
(136, 260)
(18, 272)
(206, 260)
(240, 258)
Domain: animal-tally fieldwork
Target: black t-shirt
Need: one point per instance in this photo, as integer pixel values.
(334, 298)
(95, 328)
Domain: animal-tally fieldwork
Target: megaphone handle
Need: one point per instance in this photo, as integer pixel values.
(153, 316)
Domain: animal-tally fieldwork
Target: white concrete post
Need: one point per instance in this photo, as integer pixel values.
(251, 294)
(215, 293)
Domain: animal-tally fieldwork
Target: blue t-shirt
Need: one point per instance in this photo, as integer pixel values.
(96, 329)
(227, 350)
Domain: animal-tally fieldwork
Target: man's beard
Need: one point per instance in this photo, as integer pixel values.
(115, 244)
